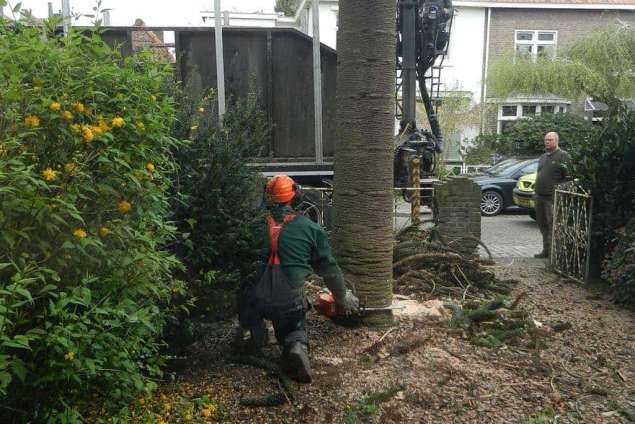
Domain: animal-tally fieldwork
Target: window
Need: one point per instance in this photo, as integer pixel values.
(535, 44)
(529, 110)
(509, 113)
(510, 110)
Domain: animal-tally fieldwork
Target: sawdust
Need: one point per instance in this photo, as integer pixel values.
(444, 377)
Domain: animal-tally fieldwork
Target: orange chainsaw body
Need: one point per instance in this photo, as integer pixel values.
(325, 304)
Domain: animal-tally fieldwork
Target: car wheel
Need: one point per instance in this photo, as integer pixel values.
(532, 213)
(491, 203)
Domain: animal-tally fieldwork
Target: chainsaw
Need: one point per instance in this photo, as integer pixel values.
(325, 305)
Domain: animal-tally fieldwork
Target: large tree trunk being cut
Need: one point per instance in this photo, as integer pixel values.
(363, 197)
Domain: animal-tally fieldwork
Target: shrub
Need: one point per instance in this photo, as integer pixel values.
(483, 148)
(605, 165)
(219, 197)
(84, 164)
(619, 267)
(526, 135)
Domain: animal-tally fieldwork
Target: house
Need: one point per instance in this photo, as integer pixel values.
(539, 28)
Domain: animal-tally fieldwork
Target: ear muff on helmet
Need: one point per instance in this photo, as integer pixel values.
(281, 189)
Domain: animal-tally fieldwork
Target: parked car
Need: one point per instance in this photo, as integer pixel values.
(523, 194)
(497, 184)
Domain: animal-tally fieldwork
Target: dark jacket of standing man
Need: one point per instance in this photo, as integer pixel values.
(553, 169)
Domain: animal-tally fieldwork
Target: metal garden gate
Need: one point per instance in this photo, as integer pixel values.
(571, 237)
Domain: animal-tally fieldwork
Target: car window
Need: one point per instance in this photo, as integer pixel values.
(502, 164)
(529, 169)
(509, 169)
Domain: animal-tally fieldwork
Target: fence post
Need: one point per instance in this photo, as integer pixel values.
(415, 183)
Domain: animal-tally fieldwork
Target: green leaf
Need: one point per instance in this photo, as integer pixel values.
(18, 368)
(5, 379)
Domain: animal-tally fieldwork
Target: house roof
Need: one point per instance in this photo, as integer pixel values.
(550, 4)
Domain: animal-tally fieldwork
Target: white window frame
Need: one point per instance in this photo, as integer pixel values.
(534, 43)
(557, 108)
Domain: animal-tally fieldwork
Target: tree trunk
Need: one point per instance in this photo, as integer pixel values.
(363, 196)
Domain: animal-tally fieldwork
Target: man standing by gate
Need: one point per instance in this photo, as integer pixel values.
(553, 169)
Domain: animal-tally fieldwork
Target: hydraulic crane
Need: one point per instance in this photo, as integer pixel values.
(423, 35)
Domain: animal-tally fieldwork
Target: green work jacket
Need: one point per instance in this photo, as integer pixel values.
(303, 247)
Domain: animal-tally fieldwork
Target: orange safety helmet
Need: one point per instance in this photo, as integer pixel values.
(280, 189)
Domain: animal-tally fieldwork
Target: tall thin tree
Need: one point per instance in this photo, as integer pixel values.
(363, 197)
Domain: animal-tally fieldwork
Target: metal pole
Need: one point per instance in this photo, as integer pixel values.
(317, 83)
(409, 72)
(66, 15)
(220, 67)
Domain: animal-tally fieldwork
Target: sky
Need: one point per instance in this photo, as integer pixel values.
(153, 12)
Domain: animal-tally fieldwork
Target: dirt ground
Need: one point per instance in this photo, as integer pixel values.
(585, 374)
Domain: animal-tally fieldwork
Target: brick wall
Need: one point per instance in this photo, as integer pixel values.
(457, 213)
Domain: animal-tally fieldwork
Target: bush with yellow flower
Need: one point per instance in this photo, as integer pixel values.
(86, 286)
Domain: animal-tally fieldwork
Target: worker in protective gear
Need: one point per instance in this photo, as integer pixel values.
(294, 246)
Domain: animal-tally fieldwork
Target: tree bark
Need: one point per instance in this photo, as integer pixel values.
(363, 197)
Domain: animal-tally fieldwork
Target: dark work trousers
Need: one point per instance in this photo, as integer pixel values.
(289, 327)
(544, 218)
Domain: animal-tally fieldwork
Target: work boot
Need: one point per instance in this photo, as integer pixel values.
(541, 255)
(297, 363)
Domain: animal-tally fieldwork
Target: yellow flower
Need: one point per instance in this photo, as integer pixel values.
(200, 109)
(153, 97)
(32, 121)
(167, 407)
(103, 126)
(49, 174)
(103, 231)
(150, 166)
(55, 106)
(69, 167)
(87, 134)
(118, 122)
(124, 206)
(97, 131)
(79, 107)
(142, 401)
(67, 115)
(206, 412)
(79, 233)
(69, 356)
(194, 127)
(161, 421)
(141, 126)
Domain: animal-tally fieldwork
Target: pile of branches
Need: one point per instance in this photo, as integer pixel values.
(424, 269)
(497, 322)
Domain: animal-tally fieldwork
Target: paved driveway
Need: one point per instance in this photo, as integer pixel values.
(511, 235)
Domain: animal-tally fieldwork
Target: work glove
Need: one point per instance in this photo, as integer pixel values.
(348, 305)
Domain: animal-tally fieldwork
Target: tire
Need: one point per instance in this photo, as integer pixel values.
(532, 213)
(491, 203)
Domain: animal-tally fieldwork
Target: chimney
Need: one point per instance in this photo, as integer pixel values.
(50, 9)
(106, 18)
